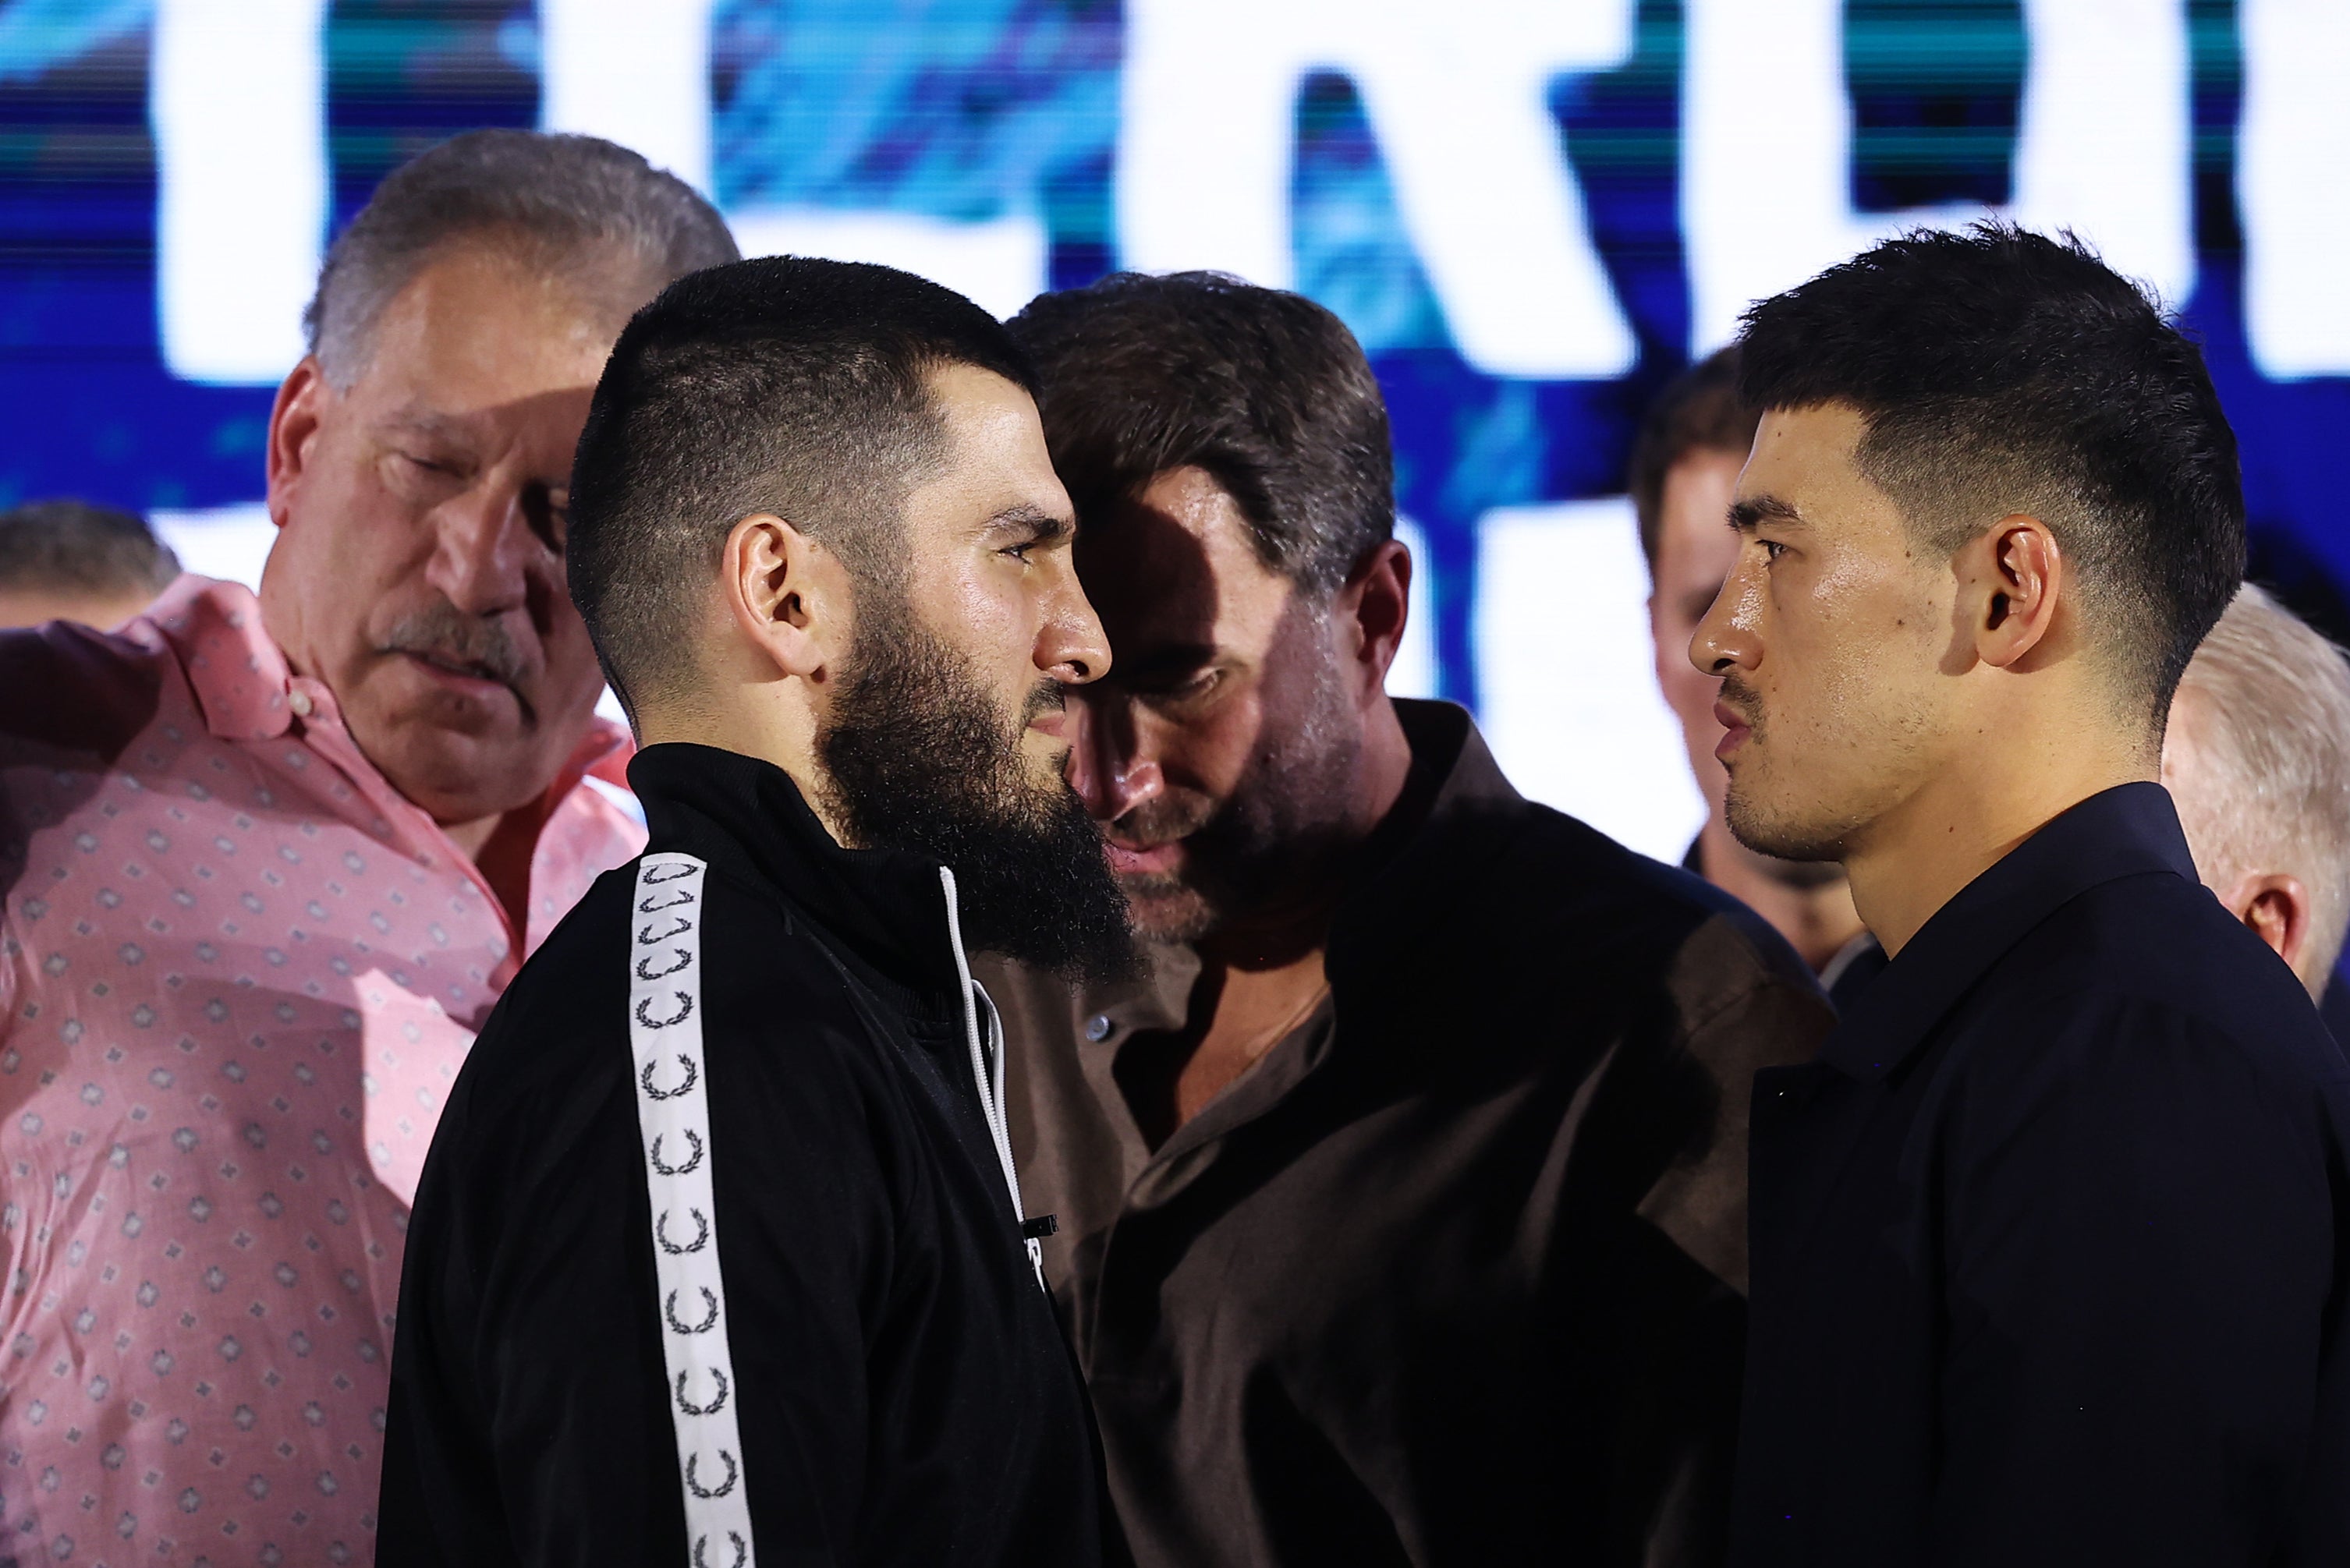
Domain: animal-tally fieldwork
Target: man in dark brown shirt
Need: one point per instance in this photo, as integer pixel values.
(1401, 1200)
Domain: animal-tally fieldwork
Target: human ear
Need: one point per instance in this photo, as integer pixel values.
(2011, 578)
(2276, 907)
(1375, 604)
(789, 597)
(293, 422)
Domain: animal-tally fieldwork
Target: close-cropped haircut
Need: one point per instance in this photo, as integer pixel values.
(71, 547)
(784, 385)
(566, 204)
(1700, 411)
(2003, 373)
(1264, 390)
(2266, 787)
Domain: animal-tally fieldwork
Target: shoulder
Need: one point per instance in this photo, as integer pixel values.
(2160, 955)
(562, 1029)
(2142, 1004)
(68, 690)
(1536, 882)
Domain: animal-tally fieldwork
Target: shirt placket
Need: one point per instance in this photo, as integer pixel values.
(1172, 1169)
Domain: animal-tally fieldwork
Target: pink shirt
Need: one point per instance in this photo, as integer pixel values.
(237, 973)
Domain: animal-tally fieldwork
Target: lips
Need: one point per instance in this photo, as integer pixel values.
(470, 679)
(1151, 860)
(1736, 730)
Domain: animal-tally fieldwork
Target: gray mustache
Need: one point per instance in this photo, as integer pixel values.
(448, 635)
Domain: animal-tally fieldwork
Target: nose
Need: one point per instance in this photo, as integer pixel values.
(481, 550)
(1071, 646)
(1108, 766)
(1725, 639)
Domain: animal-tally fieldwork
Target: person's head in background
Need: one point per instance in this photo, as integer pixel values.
(1993, 507)
(815, 523)
(1684, 475)
(1227, 448)
(2258, 759)
(420, 455)
(68, 560)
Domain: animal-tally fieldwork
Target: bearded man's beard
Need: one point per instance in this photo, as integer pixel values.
(917, 757)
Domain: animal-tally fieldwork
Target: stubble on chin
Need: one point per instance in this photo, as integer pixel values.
(1762, 818)
(1166, 908)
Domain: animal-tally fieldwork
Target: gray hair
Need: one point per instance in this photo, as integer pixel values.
(552, 197)
(2266, 787)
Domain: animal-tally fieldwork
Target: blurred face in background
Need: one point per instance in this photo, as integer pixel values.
(34, 604)
(1221, 754)
(1695, 550)
(419, 571)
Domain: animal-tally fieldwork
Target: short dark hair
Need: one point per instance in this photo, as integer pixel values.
(1700, 410)
(554, 196)
(65, 545)
(1265, 390)
(784, 385)
(2003, 371)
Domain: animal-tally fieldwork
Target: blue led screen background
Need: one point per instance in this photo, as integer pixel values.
(1531, 215)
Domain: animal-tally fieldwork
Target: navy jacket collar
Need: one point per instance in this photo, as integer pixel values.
(747, 817)
(2131, 830)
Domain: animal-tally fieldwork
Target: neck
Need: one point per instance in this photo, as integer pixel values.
(782, 733)
(1976, 807)
(1817, 918)
(470, 836)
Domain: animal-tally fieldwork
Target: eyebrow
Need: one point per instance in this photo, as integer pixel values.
(1044, 525)
(1747, 516)
(453, 428)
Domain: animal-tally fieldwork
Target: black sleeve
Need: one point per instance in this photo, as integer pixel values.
(2139, 1252)
(529, 1419)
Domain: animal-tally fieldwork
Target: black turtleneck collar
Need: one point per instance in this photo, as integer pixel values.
(748, 818)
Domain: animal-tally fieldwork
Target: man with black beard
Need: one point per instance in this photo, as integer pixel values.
(719, 1253)
(1402, 1198)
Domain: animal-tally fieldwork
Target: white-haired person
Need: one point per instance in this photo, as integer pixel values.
(2258, 760)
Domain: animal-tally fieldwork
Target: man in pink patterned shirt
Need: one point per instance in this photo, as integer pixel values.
(267, 864)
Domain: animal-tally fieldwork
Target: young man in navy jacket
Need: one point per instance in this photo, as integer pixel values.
(2052, 1244)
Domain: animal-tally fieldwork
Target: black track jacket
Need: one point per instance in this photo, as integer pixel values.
(715, 1259)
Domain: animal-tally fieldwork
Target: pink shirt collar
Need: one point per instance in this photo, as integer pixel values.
(248, 691)
(239, 675)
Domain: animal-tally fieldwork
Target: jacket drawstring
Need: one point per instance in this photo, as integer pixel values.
(986, 1074)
